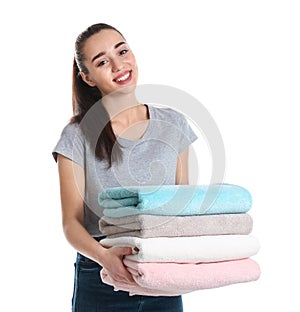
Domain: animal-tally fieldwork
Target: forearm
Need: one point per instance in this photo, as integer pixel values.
(82, 241)
(72, 184)
(110, 259)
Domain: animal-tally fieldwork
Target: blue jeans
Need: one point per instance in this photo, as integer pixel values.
(92, 295)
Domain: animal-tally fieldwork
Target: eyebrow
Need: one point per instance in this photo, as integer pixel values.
(103, 53)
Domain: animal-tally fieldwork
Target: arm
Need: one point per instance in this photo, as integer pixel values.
(182, 169)
(71, 178)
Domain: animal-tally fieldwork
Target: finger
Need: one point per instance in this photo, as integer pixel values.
(124, 251)
(129, 278)
(124, 277)
(127, 251)
(128, 275)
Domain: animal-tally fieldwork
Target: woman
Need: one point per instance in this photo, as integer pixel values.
(112, 140)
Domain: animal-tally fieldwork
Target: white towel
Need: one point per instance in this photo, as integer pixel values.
(187, 249)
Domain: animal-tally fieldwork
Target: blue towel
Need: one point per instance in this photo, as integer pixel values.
(175, 200)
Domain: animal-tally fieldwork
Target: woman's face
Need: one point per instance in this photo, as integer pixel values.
(110, 63)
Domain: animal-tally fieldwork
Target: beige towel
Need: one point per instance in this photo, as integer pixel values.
(170, 226)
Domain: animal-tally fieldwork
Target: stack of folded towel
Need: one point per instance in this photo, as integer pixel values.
(183, 238)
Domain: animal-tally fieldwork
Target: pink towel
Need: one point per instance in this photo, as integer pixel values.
(172, 279)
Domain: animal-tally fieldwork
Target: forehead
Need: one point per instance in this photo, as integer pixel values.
(103, 41)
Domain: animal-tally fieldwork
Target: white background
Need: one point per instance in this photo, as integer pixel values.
(240, 59)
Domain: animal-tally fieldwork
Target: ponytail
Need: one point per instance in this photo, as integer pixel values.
(83, 96)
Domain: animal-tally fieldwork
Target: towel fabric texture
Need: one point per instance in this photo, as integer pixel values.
(146, 226)
(187, 249)
(175, 200)
(183, 238)
(172, 279)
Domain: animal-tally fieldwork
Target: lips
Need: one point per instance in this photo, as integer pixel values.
(123, 78)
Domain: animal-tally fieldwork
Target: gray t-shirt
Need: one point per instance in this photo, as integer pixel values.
(150, 160)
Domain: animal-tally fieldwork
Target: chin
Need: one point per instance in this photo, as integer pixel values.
(125, 90)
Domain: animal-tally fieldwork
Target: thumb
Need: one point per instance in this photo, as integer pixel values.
(126, 251)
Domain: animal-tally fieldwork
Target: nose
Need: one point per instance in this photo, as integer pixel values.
(116, 64)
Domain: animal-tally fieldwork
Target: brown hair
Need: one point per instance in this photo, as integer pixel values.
(85, 96)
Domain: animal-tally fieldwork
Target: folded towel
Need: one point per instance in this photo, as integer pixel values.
(146, 226)
(175, 200)
(172, 279)
(187, 249)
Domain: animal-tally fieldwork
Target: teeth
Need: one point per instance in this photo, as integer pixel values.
(123, 78)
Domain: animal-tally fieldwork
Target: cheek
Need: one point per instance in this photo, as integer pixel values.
(134, 64)
(131, 59)
(103, 77)
(104, 82)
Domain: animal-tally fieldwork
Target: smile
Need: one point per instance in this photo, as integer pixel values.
(123, 78)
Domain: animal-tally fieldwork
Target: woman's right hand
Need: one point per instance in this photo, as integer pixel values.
(112, 262)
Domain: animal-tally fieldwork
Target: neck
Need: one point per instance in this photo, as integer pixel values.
(119, 104)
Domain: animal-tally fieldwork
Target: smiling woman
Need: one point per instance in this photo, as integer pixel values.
(115, 63)
(112, 140)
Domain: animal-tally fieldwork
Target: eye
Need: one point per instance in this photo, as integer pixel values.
(124, 51)
(102, 63)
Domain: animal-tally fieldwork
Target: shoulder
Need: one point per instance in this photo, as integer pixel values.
(71, 128)
(70, 143)
(71, 135)
(166, 113)
(173, 123)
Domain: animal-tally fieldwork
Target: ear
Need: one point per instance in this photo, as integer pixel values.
(87, 79)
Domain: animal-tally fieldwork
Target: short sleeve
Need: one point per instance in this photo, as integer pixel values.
(71, 144)
(187, 136)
